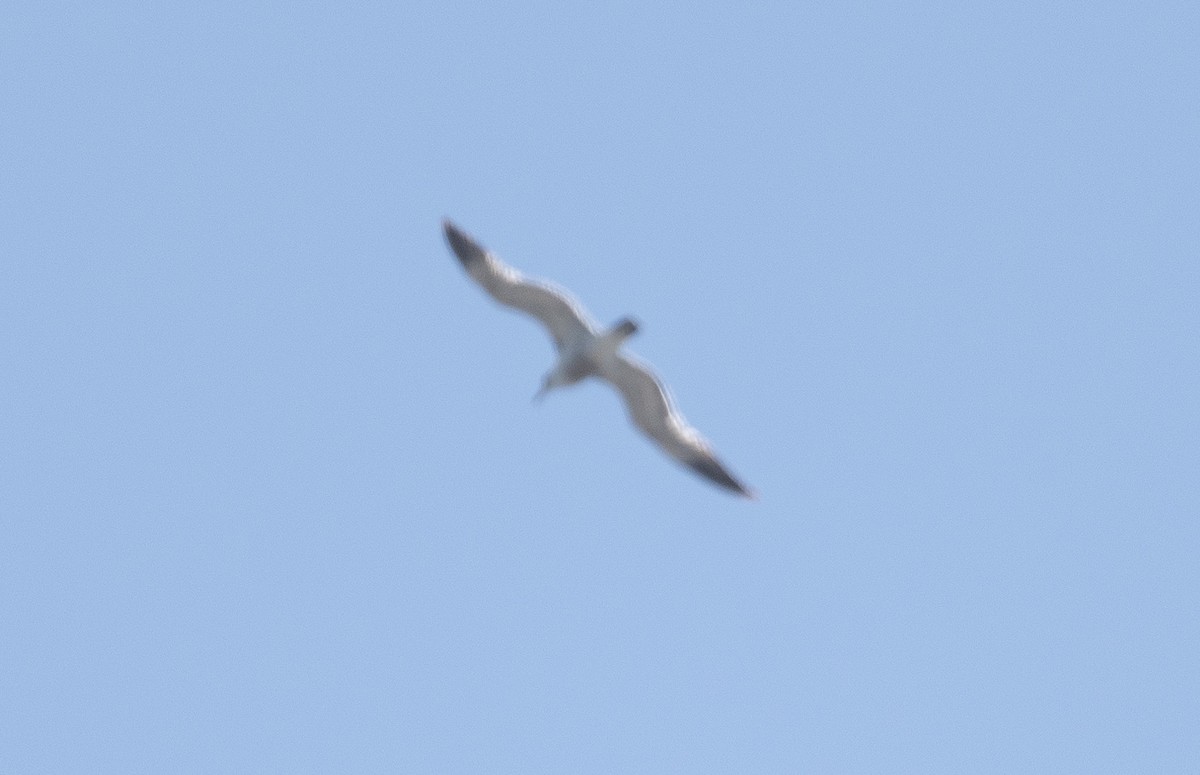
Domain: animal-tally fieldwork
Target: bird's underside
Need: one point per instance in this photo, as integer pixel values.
(585, 350)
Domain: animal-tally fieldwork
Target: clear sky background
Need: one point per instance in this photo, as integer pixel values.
(273, 496)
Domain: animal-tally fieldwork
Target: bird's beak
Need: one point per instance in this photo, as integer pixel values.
(538, 396)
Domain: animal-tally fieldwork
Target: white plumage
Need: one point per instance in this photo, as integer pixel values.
(586, 351)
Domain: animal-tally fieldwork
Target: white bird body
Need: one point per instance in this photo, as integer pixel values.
(586, 351)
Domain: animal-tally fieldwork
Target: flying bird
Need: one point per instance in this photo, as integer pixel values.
(586, 351)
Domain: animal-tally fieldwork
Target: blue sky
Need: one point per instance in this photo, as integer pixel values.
(274, 497)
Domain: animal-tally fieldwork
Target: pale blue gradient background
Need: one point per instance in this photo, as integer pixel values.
(273, 497)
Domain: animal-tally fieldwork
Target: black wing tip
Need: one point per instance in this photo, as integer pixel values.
(467, 249)
(712, 470)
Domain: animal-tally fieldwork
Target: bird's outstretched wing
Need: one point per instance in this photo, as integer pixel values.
(561, 314)
(652, 411)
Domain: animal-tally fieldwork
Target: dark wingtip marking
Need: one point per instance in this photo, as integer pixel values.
(468, 250)
(627, 327)
(712, 470)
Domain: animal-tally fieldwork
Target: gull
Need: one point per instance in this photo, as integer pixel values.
(586, 351)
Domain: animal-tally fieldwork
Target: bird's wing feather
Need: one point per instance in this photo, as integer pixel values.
(651, 409)
(561, 314)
